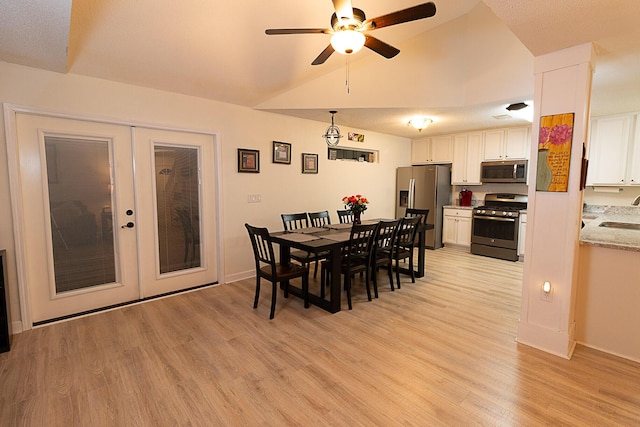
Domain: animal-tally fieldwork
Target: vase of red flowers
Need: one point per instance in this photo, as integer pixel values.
(356, 204)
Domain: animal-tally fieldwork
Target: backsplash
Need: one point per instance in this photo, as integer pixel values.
(479, 191)
(608, 196)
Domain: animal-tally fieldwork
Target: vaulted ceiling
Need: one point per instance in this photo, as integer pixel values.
(462, 66)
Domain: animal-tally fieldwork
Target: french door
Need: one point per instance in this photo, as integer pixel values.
(112, 213)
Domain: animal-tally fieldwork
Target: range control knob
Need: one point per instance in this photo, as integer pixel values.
(493, 212)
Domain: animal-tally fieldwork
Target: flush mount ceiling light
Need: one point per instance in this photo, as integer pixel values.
(517, 106)
(332, 135)
(419, 122)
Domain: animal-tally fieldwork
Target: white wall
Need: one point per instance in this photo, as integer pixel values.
(282, 187)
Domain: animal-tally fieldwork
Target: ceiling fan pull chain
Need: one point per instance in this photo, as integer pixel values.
(347, 81)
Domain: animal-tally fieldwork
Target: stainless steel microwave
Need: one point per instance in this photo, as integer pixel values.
(507, 171)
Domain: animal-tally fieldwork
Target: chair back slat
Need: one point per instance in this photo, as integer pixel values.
(295, 221)
(386, 234)
(262, 246)
(319, 219)
(407, 230)
(411, 212)
(345, 216)
(360, 241)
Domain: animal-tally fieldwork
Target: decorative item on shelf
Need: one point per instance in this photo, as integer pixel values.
(419, 122)
(357, 205)
(332, 135)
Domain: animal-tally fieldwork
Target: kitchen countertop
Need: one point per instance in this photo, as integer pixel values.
(615, 238)
(459, 207)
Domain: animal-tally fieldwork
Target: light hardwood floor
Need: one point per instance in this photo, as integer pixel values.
(441, 351)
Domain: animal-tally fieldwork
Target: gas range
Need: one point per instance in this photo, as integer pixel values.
(495, 226)
(502, 205)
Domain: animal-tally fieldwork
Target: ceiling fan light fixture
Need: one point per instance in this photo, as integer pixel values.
(517, 106)
(347, 42)
(419, 122)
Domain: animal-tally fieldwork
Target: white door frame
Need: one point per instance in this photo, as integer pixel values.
(10, 114)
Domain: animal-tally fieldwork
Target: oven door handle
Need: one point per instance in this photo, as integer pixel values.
(494, 218)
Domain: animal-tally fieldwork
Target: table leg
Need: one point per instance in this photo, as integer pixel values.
(421, 250)
(335, 292)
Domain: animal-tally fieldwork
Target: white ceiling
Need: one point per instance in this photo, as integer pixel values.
(462, 66)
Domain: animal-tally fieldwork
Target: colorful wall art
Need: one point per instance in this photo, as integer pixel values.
(554, 152)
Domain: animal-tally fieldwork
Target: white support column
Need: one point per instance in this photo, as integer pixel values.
(562, 85)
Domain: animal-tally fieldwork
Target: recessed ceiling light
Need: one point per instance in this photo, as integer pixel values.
(517, 106)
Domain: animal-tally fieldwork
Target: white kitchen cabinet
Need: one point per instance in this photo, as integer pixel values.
(610, 146)
(518, 143)
(467, 156)
(522, 233)
(506, 144)
(437, 149)
(494, 144)
(456, 228)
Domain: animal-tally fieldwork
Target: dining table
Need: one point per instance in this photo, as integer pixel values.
(330, 239)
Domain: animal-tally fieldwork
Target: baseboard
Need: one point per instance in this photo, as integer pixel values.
(240, 276)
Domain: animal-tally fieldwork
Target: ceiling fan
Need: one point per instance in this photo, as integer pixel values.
(349, 26)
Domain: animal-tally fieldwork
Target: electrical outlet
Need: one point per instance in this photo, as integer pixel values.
(254, 198)
(548, 297)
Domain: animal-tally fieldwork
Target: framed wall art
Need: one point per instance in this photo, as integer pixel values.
(309, 163)
(248, 160)
(281, 152)
(554, 152)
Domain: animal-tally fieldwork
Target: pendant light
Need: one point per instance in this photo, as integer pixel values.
(332, 135)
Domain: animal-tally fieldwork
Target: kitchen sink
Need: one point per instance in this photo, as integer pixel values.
(624, 225)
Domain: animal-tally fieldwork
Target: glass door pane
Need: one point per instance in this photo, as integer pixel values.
(79, 186)
(178, 207)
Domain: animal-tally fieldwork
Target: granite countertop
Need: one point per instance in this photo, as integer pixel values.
(608, 237)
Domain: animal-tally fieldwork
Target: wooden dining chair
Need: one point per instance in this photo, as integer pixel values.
(405, 243)
(319, 219)
(356, 258)
(267, 268)
(345, 216)
(298, 221)
(295, 221)
(383, 249)
(411, 212)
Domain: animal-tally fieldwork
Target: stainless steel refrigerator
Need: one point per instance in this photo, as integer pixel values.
(425, 187)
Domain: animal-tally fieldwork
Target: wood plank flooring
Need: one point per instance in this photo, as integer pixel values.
(441, 351)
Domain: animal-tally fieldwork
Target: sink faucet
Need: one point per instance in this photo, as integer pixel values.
(636, 201)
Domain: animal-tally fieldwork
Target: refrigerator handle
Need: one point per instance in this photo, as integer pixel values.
(412, 193)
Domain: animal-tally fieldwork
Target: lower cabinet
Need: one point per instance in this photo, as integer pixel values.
(456, 228)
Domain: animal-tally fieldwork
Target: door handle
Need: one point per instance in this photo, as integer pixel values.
(128, 225)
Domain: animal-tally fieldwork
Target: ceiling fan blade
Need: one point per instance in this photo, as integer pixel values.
(414, 13)
(276, 31)
(380, 47)
(343, 9)
(324, 55)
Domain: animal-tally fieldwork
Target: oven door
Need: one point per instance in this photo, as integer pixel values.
(495, 231)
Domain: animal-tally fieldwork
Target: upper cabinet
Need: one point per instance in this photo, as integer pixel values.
(437, 149)
(467, 156)
(506, 144)
(614, 151)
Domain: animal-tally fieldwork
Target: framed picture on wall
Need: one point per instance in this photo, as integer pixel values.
(309, 163)
(281, 152)
(248, 160)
